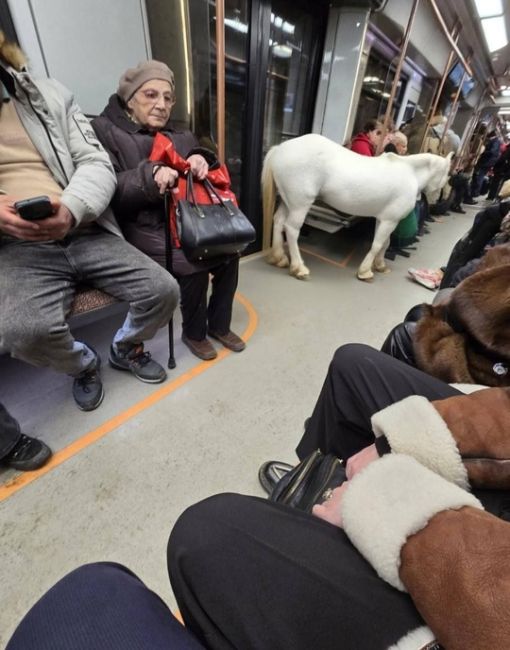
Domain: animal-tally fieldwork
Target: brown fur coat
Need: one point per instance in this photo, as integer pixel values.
(467, 340)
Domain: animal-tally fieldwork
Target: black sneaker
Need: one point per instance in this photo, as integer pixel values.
(88, 390)
(133, 358)
(28, 454)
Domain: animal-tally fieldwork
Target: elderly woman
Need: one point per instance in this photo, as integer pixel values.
(135, 113)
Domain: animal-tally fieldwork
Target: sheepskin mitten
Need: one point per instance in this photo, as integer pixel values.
(465, 438)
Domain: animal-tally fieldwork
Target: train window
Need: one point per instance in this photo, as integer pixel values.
(375, 91)
(292, 38)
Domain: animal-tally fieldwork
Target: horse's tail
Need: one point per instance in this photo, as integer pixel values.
(268, 198)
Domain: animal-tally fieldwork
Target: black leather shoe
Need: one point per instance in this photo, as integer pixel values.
(88, 390)
(28, 454)
(271, 472)
(457, 208)
(134, 359)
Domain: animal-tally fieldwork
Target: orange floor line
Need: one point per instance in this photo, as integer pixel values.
(340, 265)
(59, 457)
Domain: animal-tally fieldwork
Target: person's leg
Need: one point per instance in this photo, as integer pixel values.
(194, 304)
(37, 285)
(97, 607)
(248, 573)
(9, 432)
(17, 450)
(360, 382)
(111, 264)
(224, 285)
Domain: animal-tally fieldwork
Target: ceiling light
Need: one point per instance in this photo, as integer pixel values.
(487, 8)
(282, 51)
(495, 32)
(236, 24)
(506, 93)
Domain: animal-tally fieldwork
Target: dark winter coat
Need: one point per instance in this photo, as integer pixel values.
(137, 203)
(490, 154)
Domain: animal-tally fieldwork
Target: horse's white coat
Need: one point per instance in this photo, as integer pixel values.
(312, 167)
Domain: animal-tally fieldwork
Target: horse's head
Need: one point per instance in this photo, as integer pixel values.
(439, 168)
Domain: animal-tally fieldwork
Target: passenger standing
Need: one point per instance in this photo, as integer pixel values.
(47, 147)
(485, 162)
(139, 109)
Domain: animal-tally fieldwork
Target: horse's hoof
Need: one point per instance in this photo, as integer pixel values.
(382, 269)
(283, 262)
(365, 276)
(300, 272)
(276, 260)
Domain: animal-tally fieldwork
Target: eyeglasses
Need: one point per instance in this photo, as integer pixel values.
(153, 96)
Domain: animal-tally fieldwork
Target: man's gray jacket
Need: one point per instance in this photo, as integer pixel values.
(68, 145)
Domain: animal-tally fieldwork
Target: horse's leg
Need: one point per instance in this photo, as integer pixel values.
(292, 227)
(277, 255)
(383, 230)
(379, 262)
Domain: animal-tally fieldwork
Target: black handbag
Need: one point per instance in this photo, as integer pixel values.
(311, 482)
(210, 230)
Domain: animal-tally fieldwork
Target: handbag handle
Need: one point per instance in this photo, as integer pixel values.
(211, 191)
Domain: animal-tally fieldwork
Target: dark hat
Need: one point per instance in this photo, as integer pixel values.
(133, 78)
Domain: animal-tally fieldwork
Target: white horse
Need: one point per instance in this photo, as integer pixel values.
(309, 167)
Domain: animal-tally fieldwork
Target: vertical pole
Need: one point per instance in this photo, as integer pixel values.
(394, 86)
(452, 112)
(220, 78)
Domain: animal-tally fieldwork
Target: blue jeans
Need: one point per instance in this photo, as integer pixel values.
(37, 287)
(101, 606)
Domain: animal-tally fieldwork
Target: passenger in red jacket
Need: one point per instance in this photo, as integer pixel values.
(365, 143)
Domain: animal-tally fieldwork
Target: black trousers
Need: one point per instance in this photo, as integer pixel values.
(361, 381)
(9, 432)
(249, 574)
(197, 315)
(101, 606)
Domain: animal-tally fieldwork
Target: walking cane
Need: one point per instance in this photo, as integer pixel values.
(168, 260)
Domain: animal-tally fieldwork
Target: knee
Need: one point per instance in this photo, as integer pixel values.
(165, 290)
(20, 336)
(349, 355)
(91, 576)
(203, 526)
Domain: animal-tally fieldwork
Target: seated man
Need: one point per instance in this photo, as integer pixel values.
(401, 556)
(17, 450)
(47, 147)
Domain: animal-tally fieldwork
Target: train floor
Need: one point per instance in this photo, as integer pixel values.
(122, 474)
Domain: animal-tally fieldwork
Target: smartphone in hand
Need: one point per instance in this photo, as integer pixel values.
(34, 209)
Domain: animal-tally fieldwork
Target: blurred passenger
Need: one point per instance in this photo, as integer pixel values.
(17, 450)
(367, 141)
(399, 141)
(501, 174)
(485, 162)
(47, 147)
(139, 109)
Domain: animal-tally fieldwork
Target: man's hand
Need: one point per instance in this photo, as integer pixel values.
(165, 178)
(331, 510)
(52, 228)
(360, 460)
(198, 165)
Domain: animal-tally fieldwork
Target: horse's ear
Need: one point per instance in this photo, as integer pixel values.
(450, 156)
